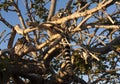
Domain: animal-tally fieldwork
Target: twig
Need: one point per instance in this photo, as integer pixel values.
(28, 10)
(4, 38)
(81, 23)
(2, 33)
(5, 22)
(108, 17)
(20, 16)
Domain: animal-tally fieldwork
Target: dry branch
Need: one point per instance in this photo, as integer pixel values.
(81, 14)
(104, 26)
(53, 38)
(107, 48)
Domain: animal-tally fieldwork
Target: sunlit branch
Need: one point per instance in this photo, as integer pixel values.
(81, 14)
(31, 19)
(52, 9)
(82, 23)
(55, 37)
(44, 26)
(104, 26)
(111, 20)
(20, 16)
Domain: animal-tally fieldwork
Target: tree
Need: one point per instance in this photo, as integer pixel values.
(60, 46)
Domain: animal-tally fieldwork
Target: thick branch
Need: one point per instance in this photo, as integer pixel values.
(43, 26)
(34, 78)
(11, 39)
(115, 27)
(81, 14)
(52, 9)
(53, 52)
(104, 26)
(20, 16)
(23, 50)
(53, 38)
(107, 48)
(25, 67)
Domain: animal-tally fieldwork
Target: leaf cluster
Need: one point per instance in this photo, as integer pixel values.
(40, 10)
(5, 5)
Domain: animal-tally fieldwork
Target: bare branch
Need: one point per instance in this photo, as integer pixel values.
(116, 27)
(107, 48)
(54, 37)
(81, 14)
(2, 33)
(20, 16)
(43, 26)
(19, 30)
(11, 39)
(52, 9)
(104, 26)
(111, 20)
(28, 11)
(5, 22)
(82, 23)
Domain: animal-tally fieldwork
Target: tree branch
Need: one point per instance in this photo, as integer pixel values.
(11, 39)
(52, 9)
(5, 22)
(68, 6)
(107, 48)
(28, 11)
(81, 14)
(20, 16)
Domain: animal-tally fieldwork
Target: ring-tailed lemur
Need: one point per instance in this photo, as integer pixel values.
(67, 65)
(57, 16)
